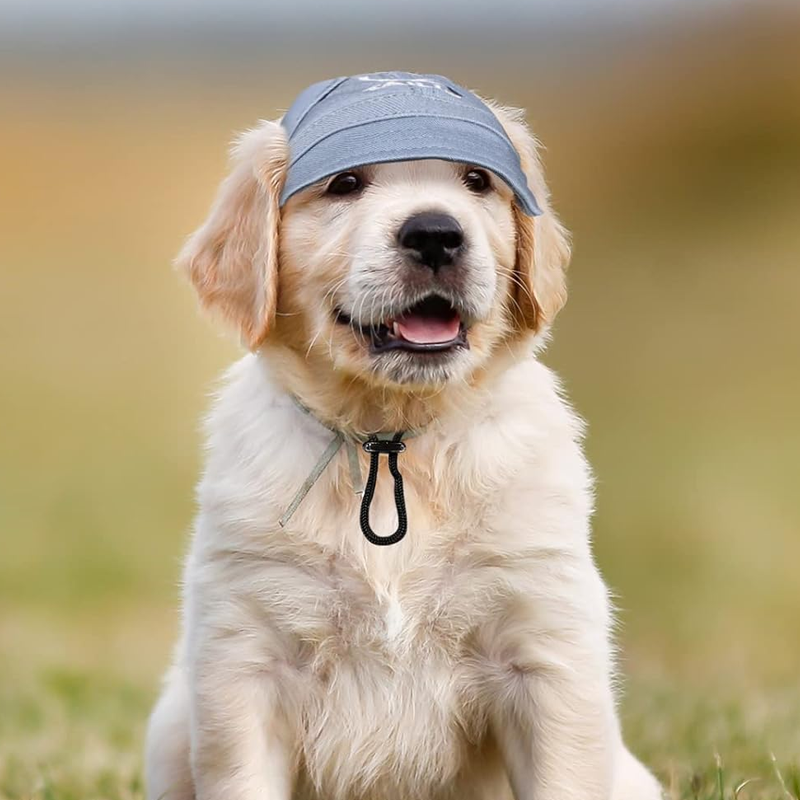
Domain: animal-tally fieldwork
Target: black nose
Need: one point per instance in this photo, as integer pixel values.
(433, 238)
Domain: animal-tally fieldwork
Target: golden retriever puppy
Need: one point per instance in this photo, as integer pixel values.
(473, 659)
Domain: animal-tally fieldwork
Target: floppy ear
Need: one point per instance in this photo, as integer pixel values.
(232, 259)
(543, 248)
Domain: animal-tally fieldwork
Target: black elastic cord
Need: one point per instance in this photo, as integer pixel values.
(392, 448)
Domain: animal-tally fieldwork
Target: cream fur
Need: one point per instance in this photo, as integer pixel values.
(472, 660)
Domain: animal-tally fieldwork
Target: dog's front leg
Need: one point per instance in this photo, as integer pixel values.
(559, 741)
(241, 741)
(552, 706)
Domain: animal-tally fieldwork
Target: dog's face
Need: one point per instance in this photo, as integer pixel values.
(402, 274)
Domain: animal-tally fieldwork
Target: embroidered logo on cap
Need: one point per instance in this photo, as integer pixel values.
(421, 83)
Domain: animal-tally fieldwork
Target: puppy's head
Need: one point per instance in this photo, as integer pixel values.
(402, 274)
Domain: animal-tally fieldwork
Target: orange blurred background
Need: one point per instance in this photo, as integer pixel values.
(673, 151)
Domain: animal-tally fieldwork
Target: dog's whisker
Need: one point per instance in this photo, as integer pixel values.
(515, 279)
(313, 342)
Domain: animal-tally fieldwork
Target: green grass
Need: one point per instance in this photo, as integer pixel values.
(73, 736)
(679, 345)
(76, 735)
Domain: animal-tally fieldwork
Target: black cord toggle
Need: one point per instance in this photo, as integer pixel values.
(382, 446)
(392, 447)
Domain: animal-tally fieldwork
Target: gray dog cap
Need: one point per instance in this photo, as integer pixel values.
(344, 123)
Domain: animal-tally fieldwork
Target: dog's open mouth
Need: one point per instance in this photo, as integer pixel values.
(430, 326)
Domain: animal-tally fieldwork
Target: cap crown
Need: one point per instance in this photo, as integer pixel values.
(348, 122)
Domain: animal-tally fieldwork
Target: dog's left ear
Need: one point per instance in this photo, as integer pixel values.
(232, 259)
(543, 249)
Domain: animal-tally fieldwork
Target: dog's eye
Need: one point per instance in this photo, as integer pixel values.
(344, 183)
(478, 181)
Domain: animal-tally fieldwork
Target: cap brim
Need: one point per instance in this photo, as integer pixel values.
(411, 139)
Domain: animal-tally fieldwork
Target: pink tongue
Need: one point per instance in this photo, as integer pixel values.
(428, 330)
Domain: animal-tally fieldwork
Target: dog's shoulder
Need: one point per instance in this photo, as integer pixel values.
(525, 418)
(527, 450)
(532, 396)
(259, 445)
(246, 394)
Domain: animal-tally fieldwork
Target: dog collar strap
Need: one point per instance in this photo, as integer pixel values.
(375, 445)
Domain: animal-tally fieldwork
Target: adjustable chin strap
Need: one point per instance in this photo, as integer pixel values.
(390, 444)
(392, 448)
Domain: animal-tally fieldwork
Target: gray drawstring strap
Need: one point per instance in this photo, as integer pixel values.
(330, 451)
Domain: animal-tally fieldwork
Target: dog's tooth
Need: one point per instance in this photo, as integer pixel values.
(395, 329)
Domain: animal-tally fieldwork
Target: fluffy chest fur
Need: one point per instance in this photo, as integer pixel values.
(384, 654)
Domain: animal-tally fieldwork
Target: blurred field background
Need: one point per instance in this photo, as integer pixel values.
(673, 150)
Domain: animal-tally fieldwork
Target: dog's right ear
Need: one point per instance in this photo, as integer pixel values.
(232, 259)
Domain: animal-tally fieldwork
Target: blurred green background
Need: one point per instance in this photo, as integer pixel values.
(673, 153)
